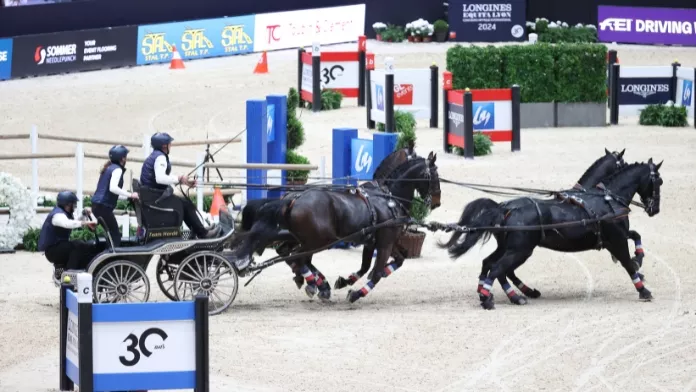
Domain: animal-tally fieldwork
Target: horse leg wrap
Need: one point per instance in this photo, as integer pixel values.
(482, 281)
(485, 289)
(354, 277)
(367, 288)
(509, 291)
(309, 276)
(389, 269)
(638, 282)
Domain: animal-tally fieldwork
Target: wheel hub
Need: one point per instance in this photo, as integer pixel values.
(122, 289)
(206, 284)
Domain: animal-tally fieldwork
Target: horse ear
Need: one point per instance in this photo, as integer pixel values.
(430, 156)
(621, 153)
(650, 162)
(659, 165)
(434, 158)
(606, 152)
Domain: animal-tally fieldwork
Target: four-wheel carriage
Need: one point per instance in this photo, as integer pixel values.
(185, 268)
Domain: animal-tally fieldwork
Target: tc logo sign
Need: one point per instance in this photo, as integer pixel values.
(484, 115)
(136, 343)
(270, 115)
(271, 31)
(379, 92)
(687, 92)
(361, 159)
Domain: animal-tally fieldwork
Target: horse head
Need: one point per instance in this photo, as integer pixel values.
(603, 167)
(641, 178)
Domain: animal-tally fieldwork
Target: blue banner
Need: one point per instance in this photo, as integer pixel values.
(270, 126)
(687, 92)
(361, 159)
(196, 39)
(5, 58)
(487, 20)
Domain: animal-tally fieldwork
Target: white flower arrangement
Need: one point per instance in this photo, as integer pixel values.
(379, 27)
(14, 194)
(531, 25)
(421, 28)
(553, 25)
(591, 26)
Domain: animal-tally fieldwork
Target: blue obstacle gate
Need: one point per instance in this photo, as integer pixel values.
(355, 159)
(139, 346)
(266, 138)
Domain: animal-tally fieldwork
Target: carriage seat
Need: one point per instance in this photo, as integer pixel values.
(160, 217)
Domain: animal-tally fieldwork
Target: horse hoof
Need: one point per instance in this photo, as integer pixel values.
(518, 300)
(325, 296)
(645, 295)
(488, 304)
(638, 260)
(530, 293)
(340, 283)
(299, 281)
(310, 291)
(352, 296)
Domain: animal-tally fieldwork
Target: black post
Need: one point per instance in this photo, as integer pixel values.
(446, 86)
(612, 58)
(368, 99)
(202, 348)
(300, 67)
(614, 94)
(85, 343)
(516, 131)
(316, 77)
(361, 69)
(65, 383)
(673, 84)
(389, 96)
(468, 125)
(434, 94)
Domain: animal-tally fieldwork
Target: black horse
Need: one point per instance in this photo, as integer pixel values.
(607, 202)
(319, 217)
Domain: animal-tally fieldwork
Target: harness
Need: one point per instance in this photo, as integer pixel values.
(575, 200)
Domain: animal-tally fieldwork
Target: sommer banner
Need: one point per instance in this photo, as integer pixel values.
(643, 25)
(487, 20)
(195, 39)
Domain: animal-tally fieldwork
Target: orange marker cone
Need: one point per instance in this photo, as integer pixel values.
(177, 62)
(262, 65)
(218, 203)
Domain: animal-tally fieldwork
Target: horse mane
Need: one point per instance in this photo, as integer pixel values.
(592, 168)
(392, 162)
(623, 169)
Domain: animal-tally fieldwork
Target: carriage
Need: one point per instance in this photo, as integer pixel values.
(185, 266)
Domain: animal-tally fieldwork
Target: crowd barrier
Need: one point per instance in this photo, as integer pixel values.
(632, 88)
(355, 159)
(340, 71)
(84, 50)
(414, 90)
(166, 344)
(493, 112)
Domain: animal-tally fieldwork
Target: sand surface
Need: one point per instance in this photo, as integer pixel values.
(422, 328)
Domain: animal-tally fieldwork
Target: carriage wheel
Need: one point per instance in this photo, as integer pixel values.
(121, 281)
(210, 274)
(165, 273)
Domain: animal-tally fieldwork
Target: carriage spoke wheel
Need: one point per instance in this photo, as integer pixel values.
(165, 278)
(121, 282)
(210, 274)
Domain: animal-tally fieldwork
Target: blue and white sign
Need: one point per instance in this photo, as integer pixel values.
(270, 126)
(5, 58)
(484, 116)
(380, 96)
(687, 92)
(72, 347)
(361, 159)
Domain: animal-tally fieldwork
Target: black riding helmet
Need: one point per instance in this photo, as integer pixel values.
(116, 153)
(66, 198)
(160, 139)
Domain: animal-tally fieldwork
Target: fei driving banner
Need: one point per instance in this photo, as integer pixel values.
(643, 25)
(487, 20)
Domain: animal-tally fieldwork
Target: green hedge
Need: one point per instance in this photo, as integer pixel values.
(545, 73)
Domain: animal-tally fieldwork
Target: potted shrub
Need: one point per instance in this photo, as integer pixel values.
(412, 239)
(296, 177)
(409, 32)
(379, 28)
(393, 33)
(440, 27)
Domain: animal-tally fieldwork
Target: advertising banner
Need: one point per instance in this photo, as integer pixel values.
(646, 25)
(361, 157)
(644, 91)
(411, 92)
(70, 51)
(487, 20)
(5, 58)
(294, 29)
(195, 39)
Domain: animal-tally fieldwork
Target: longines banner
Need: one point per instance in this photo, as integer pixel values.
(196, 39)
(487, 20)
(294, 29)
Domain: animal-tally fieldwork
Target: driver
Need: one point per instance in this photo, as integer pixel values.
(155, 175)
(54, 238)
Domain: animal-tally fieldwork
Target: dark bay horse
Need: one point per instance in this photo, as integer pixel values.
(318, 217)
(610, 198)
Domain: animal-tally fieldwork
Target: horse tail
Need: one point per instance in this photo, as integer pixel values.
(479, 213)
(267, 221)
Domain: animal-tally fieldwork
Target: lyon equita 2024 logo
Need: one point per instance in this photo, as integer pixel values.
(363, 160)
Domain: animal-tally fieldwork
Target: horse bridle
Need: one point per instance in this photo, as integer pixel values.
(654, 178)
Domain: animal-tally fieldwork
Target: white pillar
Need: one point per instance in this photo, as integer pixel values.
(79, 174)
(34, 136)
(199, 187)
(147, 148)
(322, 170)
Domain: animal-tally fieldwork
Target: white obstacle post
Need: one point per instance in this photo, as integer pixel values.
(34, 136)
(199, 187)
(80, 161)
(147, 148)
(322, 168)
